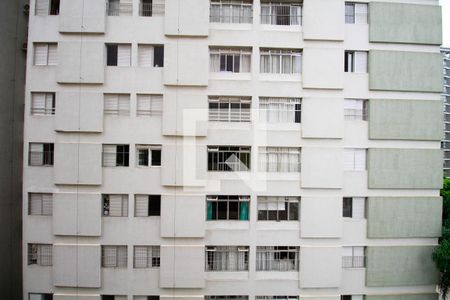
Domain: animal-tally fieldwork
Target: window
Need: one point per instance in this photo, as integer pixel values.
(114, 256)
(34, 296)
(149, 105)
(355, 13)
(40, 154)
(147, 205)
(146, 257)
(116, 155)
(151, 56)
(40, 204)
(281, 61)
(355, 61)
(281, 13)
(145, 8)
(45, 54)
(225, 11)
(229, 109)
(40, 254)
(279, 159)
(228, 158)
(230, 60)
(276, 298)
(355, 109)
(42, 104)
(354, 207)
(227, 208)
(352, 297)
(148, 155)
(354, 159)
(353, 257)
(47, 7)
(279, 110)
(120, 7)
(117, 104)
(226, 258)
(115, 205)
(114, 297)
(278, 208)
(226, 297)
(118, 55)
(146, 298)
(277, 258)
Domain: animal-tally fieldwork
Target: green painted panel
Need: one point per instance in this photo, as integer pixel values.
(404, 168)
(405, 71)
(404, 217)
(403, 297)
(405, 23)
(400, 266)
(405, 119)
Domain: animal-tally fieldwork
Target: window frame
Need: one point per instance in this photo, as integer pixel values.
(354, 261)
(225, 54)
(45, 210)
(226, 250)
(154, 100)
(48, 155)
(120, 100)
(356, 114)
(266, 153)
(231, 5)
(150, 155)
(274, 9)
(124, 206)
(227, 115)
(153, 210)
(218, 155)
(48, 96)
(35, 255)
(284, 106)
(49, 61)
(152, 261)
(116, 153)
(120, 262)
(273, 264)
(279, 53)
(287, 200)
(227, 199)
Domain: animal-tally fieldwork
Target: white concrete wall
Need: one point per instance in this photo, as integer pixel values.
(322, 118)
(320, 267)
(182, 20)
(322, 168)
(88, 16)
(321, 217)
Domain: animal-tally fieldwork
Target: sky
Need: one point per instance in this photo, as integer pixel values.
(445, 22)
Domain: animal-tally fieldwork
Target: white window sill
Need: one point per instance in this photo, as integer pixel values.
(229, 76)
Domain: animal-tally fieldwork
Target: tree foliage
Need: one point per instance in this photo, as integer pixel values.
(441, 254)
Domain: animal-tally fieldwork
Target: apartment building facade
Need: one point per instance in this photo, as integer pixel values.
(195, 149)
(446, 99)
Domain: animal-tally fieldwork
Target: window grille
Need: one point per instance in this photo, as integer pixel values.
(227, 208)
(40, 204)
(116, 155)
(40, 154)
(42, 104)
(228, 158)
(45, 54)
(226, 258)
(355, 13)
(146, 257)
(279, 110)
(117, 104)
(279, 159)
(147, 205)
(149, 105)
(229, 109)
(355, 109)
(354, 159)
(120, 8)
(230, 60)
(278, 208)
(115, 205)
(281, 13)
(40, 254)
(281, 61)
(353, 257)
(277, 258)
(114, 256)
(225, 11)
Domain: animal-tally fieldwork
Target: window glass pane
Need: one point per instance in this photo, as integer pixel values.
(233, 210)
(111, 55)
(154, 206)
(159, 56)
(156, 157)
(222, 208)
(347, 207)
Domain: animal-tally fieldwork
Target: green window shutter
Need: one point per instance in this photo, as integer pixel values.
(209, 210)
(244, 211)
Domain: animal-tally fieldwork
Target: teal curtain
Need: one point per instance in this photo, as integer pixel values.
(243, 211)
(209, 211)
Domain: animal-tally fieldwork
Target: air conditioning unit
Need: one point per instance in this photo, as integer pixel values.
(26, 9)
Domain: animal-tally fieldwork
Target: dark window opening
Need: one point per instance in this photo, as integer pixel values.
(54, 7)
(347, 208)
(154, 205)
(156, 157)
(107, 297)
(122, 155)
(143, 157)
(48, 154)
(158, 59)
(146, 8)
(111, 55)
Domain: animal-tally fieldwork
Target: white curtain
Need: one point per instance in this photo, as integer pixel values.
(265, 63)
(360, 62)
(215, 12)
(286, 64)
(360, 13)
(245, 63)
(265, 13)
(214, 62)
(297, 64)
(296, 12)
(275, 65)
